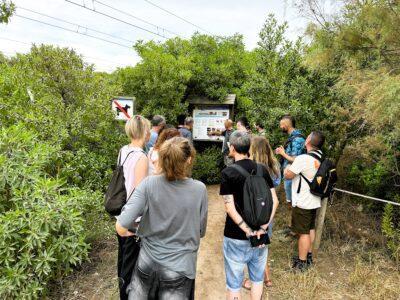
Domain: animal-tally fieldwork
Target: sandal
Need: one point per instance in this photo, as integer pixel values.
(268, 283)
(246, 284)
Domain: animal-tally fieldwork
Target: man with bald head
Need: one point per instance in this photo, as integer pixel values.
(293, 147)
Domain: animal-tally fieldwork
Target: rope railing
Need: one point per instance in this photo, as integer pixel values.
(366, 197)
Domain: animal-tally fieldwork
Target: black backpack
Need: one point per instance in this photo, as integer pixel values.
(257, 197)
(116, 195)
(324, 180)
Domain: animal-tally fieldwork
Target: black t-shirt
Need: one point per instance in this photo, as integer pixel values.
(232, 183)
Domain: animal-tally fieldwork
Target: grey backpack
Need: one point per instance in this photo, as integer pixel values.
(257, 197)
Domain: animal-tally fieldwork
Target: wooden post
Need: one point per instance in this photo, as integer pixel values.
(319, 226)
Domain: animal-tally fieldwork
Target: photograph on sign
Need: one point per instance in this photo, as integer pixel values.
(209, 123)
(123, 108)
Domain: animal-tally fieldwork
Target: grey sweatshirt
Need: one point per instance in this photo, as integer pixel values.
(174, 217)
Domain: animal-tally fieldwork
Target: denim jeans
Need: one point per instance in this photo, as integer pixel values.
(288, 190)
(238, 254)
(152, 281)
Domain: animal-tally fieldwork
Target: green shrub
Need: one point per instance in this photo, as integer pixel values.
(207, 167)
(38, 244)
(45, 226)
(391, 229)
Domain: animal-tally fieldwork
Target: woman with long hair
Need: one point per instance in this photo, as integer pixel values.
(166, 134)
(261, 152)
(136, 168)
(174, 218)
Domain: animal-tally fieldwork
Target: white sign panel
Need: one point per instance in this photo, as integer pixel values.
(209, 123)
(123, 108)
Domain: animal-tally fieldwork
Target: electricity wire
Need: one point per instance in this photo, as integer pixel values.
(137, 18)
(175, 15)
(117, 19)
(75, 24)
(70, 30)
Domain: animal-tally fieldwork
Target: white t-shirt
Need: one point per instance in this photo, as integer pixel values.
(130, 164)
(308, 166)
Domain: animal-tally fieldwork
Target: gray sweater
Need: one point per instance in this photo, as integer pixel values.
(174, 217)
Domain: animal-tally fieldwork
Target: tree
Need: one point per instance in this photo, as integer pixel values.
(7, 9)
(170, 72)
(279, 84)
(361, 48)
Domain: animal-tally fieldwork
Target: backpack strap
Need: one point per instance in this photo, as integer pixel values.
(291, 139)
(305, 178)
(317, 155)
(241, 170)
(119, 163)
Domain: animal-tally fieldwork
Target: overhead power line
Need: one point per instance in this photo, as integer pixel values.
(117, 19)
(70, 30)
(175, 15)
(11, 40)
(75, 24)
(137, 18)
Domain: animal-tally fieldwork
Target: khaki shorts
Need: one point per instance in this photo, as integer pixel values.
(303, 220)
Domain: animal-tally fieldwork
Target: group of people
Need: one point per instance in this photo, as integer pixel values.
(160, 226)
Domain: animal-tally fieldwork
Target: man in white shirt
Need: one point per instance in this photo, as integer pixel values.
(304, 203)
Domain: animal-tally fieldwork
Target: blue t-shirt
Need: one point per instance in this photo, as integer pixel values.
(186, 133)
(295, 147)
(153, 139)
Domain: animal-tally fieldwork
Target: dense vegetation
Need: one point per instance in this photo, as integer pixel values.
(59, 140)
(361, 48)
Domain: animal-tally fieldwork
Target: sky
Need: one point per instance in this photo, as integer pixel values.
(222, 18)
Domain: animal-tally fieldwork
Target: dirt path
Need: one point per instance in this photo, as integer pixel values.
(210, 280)
(348, 266)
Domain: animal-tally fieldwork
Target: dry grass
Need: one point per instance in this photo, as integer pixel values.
(352, 262)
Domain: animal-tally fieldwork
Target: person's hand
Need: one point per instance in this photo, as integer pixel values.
(259, 233)
(128, 234)
(280, 150)
(250, 233)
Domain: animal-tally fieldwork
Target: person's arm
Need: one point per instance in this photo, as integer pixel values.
(234, 215)
(141, 170)
(294, 169)
(288, 174)
(131, 211)
(203, 213)
(281, 151)
(296, 149)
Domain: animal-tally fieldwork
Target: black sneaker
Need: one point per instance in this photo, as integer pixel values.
(309, 259)
(300, 266)
(295, 260)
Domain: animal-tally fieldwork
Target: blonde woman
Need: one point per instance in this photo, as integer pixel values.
(136, 168)
(261, 152)
(174, 217)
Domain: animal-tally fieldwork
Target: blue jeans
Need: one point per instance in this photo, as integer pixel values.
(238, 254)
(288, 190)
(270, 229)
(153, 281)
